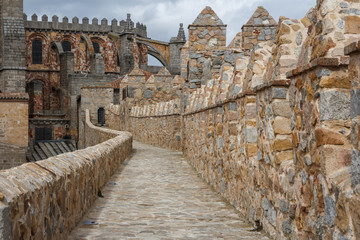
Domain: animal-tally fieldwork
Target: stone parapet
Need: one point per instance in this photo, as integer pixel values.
(47, 199)
(123, 26)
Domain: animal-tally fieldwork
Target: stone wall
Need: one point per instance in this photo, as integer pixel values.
(157, 124)
(276, 130)
(47, 199)
(13, 129)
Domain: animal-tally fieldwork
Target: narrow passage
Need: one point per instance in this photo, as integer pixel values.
(157, 195)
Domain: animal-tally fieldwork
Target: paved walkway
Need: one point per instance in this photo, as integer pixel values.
(157, 195)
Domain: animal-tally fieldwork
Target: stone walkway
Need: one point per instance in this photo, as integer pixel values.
(157, 195)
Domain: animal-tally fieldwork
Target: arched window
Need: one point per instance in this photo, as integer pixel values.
(96, 47)
(37, 51)
(66, 46)
(101, 116)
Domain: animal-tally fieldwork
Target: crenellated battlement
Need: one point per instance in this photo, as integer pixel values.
(96, 26)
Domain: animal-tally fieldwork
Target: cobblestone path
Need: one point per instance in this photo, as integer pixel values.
(157, 195)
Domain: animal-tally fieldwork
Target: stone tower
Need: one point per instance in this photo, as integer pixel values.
(207, 45)
(127, 46)
(176, 43)
(12, 46)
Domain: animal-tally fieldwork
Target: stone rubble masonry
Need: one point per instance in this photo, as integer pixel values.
(261, 27)
(275, 130)
(207, 43)
(59, 190)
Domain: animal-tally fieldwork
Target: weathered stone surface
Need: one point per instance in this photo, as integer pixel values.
(336, 80)
(269, 211)
(282, 143)
(330, 212)
(251, 135)
(281, 108)
(325, 136)
(282, 125)
(279, 93)
(355, 103)
(355, 167)
(283, 156)
(335, 158)
(352, 24)
(334, 105)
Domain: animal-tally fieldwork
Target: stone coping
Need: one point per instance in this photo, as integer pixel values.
(319, 62)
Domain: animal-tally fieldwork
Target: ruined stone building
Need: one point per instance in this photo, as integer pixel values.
(271, 121)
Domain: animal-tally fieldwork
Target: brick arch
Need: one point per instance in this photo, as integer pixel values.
(113, 40)
(57, 47)
(101, 43)
(70, 38)
(45, 46)
(45, 84)
(88, 42)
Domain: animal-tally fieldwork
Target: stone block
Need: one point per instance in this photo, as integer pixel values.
(336, 80)
(251, 135)
(232, 106)
(330, 211)
(283, 156)
(334, 158)
(269, 211)
(281, 108)
(325, 136)
(355, 103)
(282, 125)
(352, 24)
(334, 105)
(283, 143)
(355, 167)
(279, 93)
(250, 111)
(148, 93)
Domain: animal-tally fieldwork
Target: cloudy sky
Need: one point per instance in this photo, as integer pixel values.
(162, 17)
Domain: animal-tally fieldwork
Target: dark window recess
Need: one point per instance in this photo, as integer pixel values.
(124, 93)
(66, 45)
(116, 95)
(101, 116)
(42, 134)
(118, 60)
(37, 52)
(96, 47)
